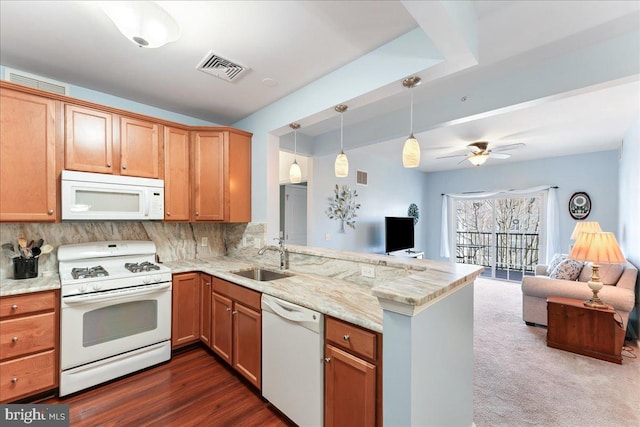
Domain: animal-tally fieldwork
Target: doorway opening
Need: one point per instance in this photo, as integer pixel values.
(293, 213)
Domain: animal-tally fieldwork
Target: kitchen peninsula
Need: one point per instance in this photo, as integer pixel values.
(424, 308)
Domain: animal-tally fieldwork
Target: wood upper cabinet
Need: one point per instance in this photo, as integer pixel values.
(88, 140)
(205, 308)
(208, 175)
(140, 148)
(221, 176)
(353, 375)
(176, 174)
(28, 166)
(237, 328)
(101, 142)
(185, 322)
(29, 325)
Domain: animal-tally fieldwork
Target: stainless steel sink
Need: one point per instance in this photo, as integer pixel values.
(261, 275)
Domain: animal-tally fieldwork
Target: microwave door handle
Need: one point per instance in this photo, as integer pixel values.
(147, 201)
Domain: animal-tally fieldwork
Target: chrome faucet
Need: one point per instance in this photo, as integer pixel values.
(283, 251)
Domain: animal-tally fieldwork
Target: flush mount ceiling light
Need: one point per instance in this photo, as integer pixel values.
(144, 23)
(342, 163)
(411, 149)
(295, 174)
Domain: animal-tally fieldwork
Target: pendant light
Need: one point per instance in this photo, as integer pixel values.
(295, 174)
(411, 149)
(342, 163)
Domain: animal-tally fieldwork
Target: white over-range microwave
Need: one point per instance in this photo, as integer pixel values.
(96, 196)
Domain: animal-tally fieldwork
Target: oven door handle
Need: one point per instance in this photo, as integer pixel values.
(115, 294)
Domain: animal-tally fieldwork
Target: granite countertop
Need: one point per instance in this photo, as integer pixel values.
(44, 282)
(344, 300)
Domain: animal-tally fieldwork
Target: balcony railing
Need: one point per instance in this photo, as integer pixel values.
(513, 251)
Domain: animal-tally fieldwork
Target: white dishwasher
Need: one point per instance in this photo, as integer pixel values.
(292, 360)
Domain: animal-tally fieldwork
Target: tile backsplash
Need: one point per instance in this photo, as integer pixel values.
(174, 241)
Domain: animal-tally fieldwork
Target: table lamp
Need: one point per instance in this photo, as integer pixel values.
(599, 247)
(585, 227)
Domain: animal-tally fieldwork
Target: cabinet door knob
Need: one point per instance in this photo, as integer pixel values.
(228, 309)
(346, 337)
(197, 213)
(14, 307)
(208, 284)
(234, 312)
(14, 380)
(14, 339)
(108, 165)
(168, 213)
(327, 359)
(124, 166)
(50, 211)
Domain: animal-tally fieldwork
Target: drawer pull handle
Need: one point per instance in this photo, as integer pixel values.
(327, 359)
(14, 339)
(346, 337)
(14, 380)
(14, 307)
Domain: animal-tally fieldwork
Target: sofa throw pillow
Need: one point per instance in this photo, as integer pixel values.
(557, 259)
(609, 273)
(568, 269)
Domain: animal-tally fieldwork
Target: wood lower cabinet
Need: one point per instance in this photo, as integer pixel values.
(185, 306)
(353, 375)
(177, 175)
(237, 328)
(205, 309)
(29, 325)
(29, 164)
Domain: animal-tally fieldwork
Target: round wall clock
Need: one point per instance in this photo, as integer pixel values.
(414, 212)
(579, 205)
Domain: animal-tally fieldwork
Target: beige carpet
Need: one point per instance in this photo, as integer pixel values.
(519, 381)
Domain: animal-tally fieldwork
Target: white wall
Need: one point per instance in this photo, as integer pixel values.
(391, 189)
(629, 196)
(594, 173)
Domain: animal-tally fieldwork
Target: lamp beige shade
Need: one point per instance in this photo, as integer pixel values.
(585, 227)
(295, 174)
(342, 165)
(599, 248)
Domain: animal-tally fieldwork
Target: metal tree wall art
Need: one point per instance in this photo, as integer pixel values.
(343, 207)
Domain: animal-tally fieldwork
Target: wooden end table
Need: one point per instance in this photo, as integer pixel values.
(589, 331)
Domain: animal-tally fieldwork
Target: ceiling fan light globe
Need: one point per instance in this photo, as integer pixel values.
(341, 166)
(295, 174)
(411, 153)
(478, 159)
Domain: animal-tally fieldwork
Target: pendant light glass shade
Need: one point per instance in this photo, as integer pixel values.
(411, 153)
(295, 174)
(411, 149)
(144, 23)
(341, 166)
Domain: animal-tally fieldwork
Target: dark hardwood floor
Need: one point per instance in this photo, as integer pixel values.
(193, 389)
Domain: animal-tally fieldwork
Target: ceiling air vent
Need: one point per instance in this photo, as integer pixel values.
(221, 68)
(362, 177)
(37, 82)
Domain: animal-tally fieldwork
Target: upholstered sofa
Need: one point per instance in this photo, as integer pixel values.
(536, 289)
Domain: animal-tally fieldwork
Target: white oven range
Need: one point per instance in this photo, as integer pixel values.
(115, 311)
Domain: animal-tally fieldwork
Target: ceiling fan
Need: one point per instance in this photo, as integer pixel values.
(479, 152)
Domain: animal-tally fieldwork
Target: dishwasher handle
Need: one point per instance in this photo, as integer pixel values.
(289, 311)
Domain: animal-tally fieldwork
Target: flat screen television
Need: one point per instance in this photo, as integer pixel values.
(398, 233)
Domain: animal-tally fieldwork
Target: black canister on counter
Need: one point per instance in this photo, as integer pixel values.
(25, 268)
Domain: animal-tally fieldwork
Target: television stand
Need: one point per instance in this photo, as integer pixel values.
(408, 254)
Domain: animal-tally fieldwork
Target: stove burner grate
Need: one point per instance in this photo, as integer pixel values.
(136, 267)
(88, 272)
